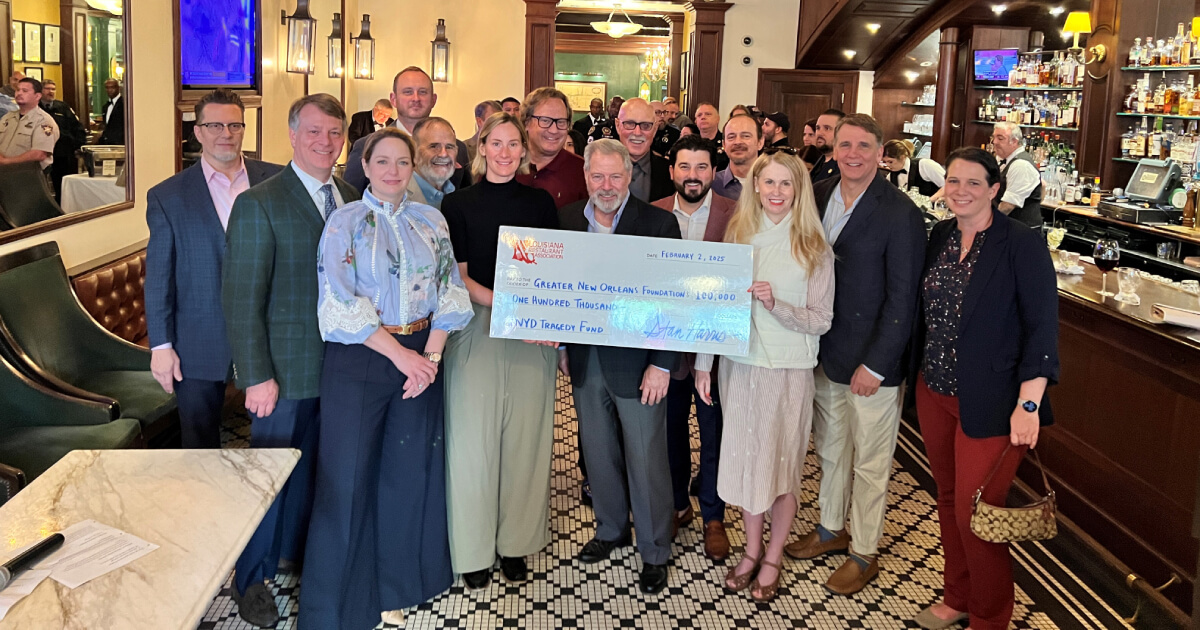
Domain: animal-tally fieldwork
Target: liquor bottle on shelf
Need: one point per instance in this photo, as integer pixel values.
(1160, 53)
(1127, 144)
(1141, 136)
(1096, 193)
(1171, 98)
(1072, 188)
(1156, 141)
(1170, 50)
(1148, 52)
(1185, 47)
(1160, 94)
(1135, 53)
(1187, 99)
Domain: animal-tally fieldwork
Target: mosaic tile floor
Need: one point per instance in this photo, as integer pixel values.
(565, 594)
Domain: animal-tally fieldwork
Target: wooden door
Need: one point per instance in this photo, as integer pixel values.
(804, 94)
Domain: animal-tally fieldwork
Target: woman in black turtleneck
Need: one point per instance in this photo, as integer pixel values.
(499, 392)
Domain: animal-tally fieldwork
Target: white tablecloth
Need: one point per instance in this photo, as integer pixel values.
(80, 192)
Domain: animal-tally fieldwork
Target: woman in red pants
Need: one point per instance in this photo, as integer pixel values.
(988, 348)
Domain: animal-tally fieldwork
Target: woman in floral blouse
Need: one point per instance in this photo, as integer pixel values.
(390, 295)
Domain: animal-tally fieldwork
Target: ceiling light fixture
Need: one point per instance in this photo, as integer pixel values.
(1056, 11)
(849, 53)
(617, 30)
(999, 8)
(926, 64)
(912, 76)
(873, 28)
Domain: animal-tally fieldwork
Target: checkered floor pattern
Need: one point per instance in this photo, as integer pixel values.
(565, 594)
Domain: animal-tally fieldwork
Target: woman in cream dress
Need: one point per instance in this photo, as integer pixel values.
(768, 394)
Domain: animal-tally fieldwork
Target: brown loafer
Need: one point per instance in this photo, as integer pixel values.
(716, 543)
(810, 546)
(850, 578)
(682, 520)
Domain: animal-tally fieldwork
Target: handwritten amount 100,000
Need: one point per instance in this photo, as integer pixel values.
(712, 296)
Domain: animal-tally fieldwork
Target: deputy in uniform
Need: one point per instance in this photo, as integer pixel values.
(666, 136)
(28, 134)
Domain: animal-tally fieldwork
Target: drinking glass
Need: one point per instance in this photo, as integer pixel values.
(1055, 237)
(1107, 254)
(1128, 279)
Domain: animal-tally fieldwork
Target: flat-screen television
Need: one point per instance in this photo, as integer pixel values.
(992, 66)
(218, 44)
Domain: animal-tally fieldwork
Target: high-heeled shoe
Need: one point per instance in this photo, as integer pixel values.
(767, 592)
(740, 581)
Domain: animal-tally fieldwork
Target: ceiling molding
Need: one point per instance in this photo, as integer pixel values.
(629, 6)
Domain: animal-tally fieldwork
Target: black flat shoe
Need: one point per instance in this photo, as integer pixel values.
(478, 580)
(257, 605)
(514, 570)
(597, 550)
(653, 579)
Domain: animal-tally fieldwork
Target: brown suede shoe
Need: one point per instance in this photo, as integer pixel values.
(683, 520)
(810, 546)
(716, 543)
(850, 579)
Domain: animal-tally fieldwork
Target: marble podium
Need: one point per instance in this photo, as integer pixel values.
(199, 506)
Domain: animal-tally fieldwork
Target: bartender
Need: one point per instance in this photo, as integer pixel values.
(1020, 182)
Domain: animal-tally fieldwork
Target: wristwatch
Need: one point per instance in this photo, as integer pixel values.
(436, 357)
(1028, 405)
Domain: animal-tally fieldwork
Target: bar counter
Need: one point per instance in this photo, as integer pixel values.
(1125, 448)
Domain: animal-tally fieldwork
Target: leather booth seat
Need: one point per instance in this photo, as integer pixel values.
(114, 295)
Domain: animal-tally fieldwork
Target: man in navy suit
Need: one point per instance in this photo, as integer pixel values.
(187, 214)
(878, 239)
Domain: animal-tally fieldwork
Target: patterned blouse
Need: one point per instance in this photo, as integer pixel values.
(942, 292)
(380, 264)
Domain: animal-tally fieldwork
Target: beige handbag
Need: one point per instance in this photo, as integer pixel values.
(1035, 521)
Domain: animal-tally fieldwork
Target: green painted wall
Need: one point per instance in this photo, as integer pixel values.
(621, 72)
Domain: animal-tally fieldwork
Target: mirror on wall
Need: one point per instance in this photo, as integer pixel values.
(77, 51)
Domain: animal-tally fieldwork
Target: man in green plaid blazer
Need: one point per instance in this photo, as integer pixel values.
(269, 295)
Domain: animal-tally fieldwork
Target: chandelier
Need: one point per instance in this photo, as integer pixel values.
(617, 30)
(114, 7)
(657, 64)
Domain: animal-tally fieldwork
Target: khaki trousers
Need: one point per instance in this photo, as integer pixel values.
(499, 443)
(855, 439)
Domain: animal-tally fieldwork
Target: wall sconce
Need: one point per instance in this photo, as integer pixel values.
(440, 65)
(364, 51)
(301, 38)
(1081, 22)
(336, 67)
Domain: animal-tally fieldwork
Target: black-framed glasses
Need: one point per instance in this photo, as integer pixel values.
(782, 149)
(545, 121)
(630, 125)
(217, 127)
(661, 112)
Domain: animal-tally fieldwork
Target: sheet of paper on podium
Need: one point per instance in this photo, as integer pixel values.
(616, 290)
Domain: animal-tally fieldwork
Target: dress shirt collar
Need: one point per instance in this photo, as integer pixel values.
(907, 168)
(433, 195)
(312, 184)
(378, 204)
(644, 163)
(589, 213)
(210, 172)
(401, 127)
(704, 205)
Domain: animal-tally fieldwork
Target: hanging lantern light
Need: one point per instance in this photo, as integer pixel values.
(336, 67)
(364, 51)
(440, 65)
(301, 39)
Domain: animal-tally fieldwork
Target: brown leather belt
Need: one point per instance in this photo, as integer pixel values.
(409, 328)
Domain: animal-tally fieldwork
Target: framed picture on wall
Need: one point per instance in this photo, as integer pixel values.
(581, 93)
(684, 70)
(18, 41)
(50, 48)
(33, 42)
(34, 72)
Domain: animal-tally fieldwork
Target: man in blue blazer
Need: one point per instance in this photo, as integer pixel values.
(187, 214)
(878, 238)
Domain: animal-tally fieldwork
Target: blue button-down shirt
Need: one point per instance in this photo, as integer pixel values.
(726, 184)
(433, 196)
(589, 213)
(380, 264)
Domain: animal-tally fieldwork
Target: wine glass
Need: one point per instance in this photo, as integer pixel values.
(1107, 254)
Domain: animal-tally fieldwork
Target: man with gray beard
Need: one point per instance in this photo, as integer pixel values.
(436, 149)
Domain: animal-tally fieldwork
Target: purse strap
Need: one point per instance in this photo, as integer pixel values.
(1037, 460)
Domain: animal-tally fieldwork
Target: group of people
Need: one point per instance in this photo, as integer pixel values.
(355, 314)
(37, 127)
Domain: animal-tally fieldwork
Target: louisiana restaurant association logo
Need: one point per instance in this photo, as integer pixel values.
(530, 250)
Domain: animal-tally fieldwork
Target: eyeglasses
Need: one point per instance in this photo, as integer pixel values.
(630, 125)
(217, 127)
(661, 112)
(545, 121)
(784, 149)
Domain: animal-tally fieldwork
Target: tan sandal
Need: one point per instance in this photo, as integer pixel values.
(740, 582)
(767, 591)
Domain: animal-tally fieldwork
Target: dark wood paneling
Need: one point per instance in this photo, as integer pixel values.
(73, 53)
(598, 44)
(1125, 449)
(887, 109)
(539, 43)
(706, 52)
(673, 79)
(804, 94)
(947, 83)
(814, 16)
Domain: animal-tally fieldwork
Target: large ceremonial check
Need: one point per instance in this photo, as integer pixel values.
(614, 290)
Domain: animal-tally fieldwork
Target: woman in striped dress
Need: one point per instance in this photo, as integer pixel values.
(768, 394)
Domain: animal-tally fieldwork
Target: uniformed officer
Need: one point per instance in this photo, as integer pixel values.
(666, 136)
(28, 134)
(72, 135)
